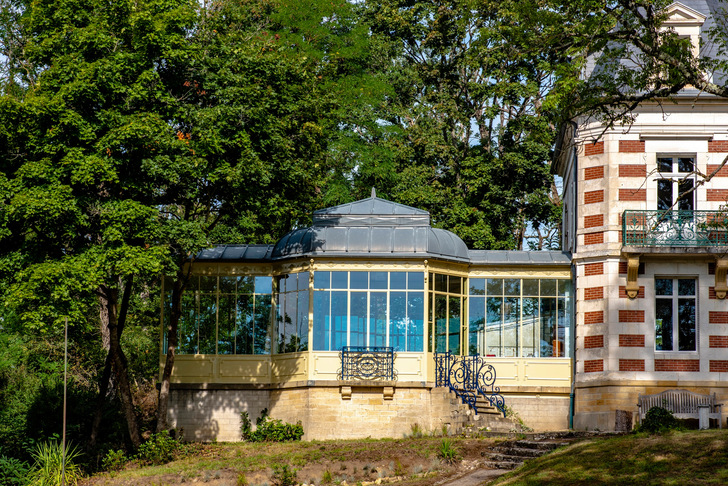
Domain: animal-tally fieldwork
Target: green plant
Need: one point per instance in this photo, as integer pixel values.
(283, 475)
(268, 429)
(114, 460)
(159, 449)
(13, 472)
(242, 480)
(658, 419)
(327, 477)
(513, 415)
(447, 451)
(399, 469)
(416, 431)
(246, 428)
(49, 465)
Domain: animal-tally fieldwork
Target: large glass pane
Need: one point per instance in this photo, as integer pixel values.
(511, 318)
(550, 345)
(440, 323)
(398, 280)
(548, 287)
(663, 324)
(398, 321)
(664, 194)
(530, 286)
(245, 324)
(495, 286)
(339, 319)
(377, 319)
(494, 326)
(415, 280)
(227, 285)
(685, 164)
(302, 321)
(415, 321)
(378, 280)
(226, 324)
(321, 320)
(290, 325)
(279, 327)
(187, 327)
(511, 286)
(454, 325)
(359, 280)
(686, 286)
(686, 326)
(440, 282)
(476, 324)
(322, 280)
(246, 285)
(477, 286)
(358, 319)
(261, 335)
(339, 280)
(455, 285)
(664, 164)
(663, 286)
(208, 284)
(530, 327)
(564, 329)
(263, 285)
(686, 195)
(207, 323)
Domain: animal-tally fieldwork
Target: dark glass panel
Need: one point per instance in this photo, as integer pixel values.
(549, 342)
(378, 280)
(495, 286)
(440, 282)
(686, 286)
(686, 326)
(303, 281)
(322, 280)
(511, 318)
(548, 287)
(339, 318)
(245, 323)
(246, 285)
(208, 284)
(187, 327)
(663, 286)
(207, 323)
(685, 164)
(415, 281)
(494, 326)
(415, 321)
(261, 334)
(664, 164)
(477, 286)
(530, 328)
(377, 319)
(302, 322)
(398, 280)
(564, 287)
(339, 280)
(455, 285)
(530, 286)
(511, 286)
(663, 324)
(686, 195)
(454, 325)
(321, 320)
(227, 285)
(398, 320)
(226, 324)
(664, 194)
(359, 280)
(440, 323)
(358, 319)
(476, 325)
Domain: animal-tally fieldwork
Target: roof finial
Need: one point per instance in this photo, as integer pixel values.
(374, 192)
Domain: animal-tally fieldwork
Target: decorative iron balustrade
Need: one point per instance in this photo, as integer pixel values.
(367, 363)
(469, 377)
(675, 228)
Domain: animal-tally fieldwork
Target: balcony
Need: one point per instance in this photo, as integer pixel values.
(701, 230)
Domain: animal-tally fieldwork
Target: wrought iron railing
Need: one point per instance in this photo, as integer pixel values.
(367, 363)
(469, 377)
(675, 228)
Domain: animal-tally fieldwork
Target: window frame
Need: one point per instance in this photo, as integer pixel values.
(676, 177)
(676, 318)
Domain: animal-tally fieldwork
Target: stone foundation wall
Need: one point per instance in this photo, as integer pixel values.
(542, 413)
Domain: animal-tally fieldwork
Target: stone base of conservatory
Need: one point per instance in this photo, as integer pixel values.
(346, 410)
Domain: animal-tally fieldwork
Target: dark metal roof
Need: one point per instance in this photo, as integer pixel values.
(247, 253)
(504, 257)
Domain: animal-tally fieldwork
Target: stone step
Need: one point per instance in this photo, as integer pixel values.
(520, 451)
(501, 464)
(542, 445)
(499, 456)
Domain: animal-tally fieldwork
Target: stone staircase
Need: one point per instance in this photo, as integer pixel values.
(511, 454)
(463, 419)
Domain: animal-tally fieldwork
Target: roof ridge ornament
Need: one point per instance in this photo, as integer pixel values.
(374, 192)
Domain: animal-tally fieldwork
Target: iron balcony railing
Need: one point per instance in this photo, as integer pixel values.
(367, 363)
(470, 378)
(675, 228)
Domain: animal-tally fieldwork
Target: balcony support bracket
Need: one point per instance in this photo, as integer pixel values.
(633, 266)
(721, 268)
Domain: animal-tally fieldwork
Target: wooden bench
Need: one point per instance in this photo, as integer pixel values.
(682, 403)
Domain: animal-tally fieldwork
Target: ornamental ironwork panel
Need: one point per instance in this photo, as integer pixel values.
(470, 378)
(367, 363)
(675, 228)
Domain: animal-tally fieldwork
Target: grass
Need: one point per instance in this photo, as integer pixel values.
(674, 458)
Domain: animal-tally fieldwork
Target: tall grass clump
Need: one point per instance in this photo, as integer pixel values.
(49, 465)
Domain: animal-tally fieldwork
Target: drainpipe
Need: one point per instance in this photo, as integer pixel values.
(575, 174)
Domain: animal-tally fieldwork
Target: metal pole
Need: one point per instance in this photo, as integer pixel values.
(65, 384)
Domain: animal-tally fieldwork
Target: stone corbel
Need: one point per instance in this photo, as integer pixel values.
(721, 266)
(633, 267)
(346, 393)
(388, 393)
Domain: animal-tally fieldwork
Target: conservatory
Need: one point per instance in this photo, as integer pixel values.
(270, 326)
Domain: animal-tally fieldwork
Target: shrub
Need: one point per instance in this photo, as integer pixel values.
(159, 449)
(269, 430)
(48, 467)
(114, 460)
(658, 419)
(13, 472)
(447, 451)
(283, 475)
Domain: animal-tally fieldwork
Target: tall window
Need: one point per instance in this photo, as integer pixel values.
(368, 309)
(675, 182)
(675, 320)
(292, 312)
(446, 305)
(515, 317)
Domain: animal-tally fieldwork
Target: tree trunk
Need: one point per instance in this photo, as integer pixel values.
(176, 311)
(101, 401)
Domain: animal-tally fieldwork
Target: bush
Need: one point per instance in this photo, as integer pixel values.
(269, 430)
(159, 449)
(48, 467)
(447, 451)
(283, 476)
(13, 472)
(114, 460)
(658, 419)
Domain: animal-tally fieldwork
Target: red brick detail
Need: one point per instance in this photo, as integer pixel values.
(711, 268)
(633, 194)
(718, 366)
(717, 146)
(593, 269)
(711, 293)
(591, 197)
(623, 292)
(717, 195)
(623, 268)
(594, 238)
(594, 293)
(595, 148)
(692, 365)
(593, 341)
(723, 172)
(718, 341)
(632, 341)
(631, 316)
(631, 146)
(718, 317)
(631, 365)
(594, 173)
(593, 221)
(593, 365)
(633, 171)
(594, 317)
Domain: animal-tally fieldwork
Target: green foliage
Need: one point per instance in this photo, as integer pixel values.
(114, 460)
(241, 480)
(416, 431)
(269, 430)
(160, 448)
(327, 477)
(447, 451)
(283, 475)
(49, 462)
(658, 420)
(13, 472)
